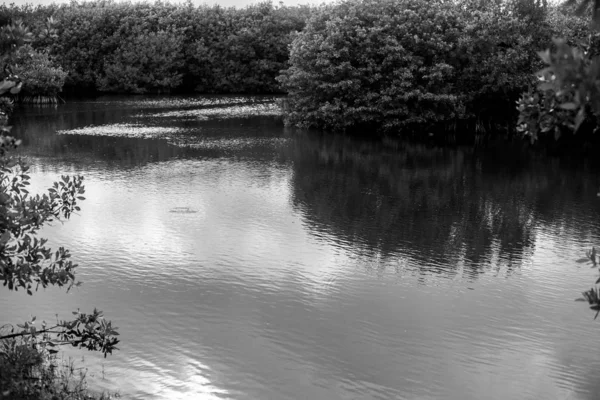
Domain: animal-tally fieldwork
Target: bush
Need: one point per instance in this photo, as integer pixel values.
(204, 48)
(375, 63)
(191, 48)
(414, 65)
(30, 372)
(14, 35)
(84, 40)
(41, 77)
(27, 263)
(567, 99)
(496, 58)
(7, 106)
(241, 50)
(145, 62)
(26, 368)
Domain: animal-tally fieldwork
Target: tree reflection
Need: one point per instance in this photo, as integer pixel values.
(441, 207)
(446, 210)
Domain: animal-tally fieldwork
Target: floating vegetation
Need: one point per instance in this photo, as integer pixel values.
(124, 130)
(187, 102)
(163, 125)
(175, 136)
(182, 210)
(240, 111)
(226, 144)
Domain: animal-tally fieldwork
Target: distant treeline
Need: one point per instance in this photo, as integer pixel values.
(425, 66)
(417, 67)
(161, 47)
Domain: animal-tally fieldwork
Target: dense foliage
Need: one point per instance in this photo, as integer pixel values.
(26, 262)
(375, 63)
(416, 64)
(27, 362)
(370, 65)
(136, 47)
(41, 76)
(143, 62)
(566, 100)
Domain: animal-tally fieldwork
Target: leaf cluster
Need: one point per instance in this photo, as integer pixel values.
(30, 368)
(410, 65)
(25, 260)
(567, 97)
(592, 296)
(14, 35)
(150, 47)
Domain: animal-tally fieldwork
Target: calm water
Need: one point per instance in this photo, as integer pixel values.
(243, 260)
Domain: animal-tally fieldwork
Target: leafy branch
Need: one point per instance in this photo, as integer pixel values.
(25, 260)
(592, 296)
(89, 331)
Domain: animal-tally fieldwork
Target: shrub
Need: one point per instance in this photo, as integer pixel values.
(14, 35)
(415, 65)
(84, 39)
(27, 263)
(562, 24)
(496, 58)
(204, 48)
(30, 372)
(41, 77)
(567, 99)
(241, 50)
(7, 106)
(145, 62)
(374, 63)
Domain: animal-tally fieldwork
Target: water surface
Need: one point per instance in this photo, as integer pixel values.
(244, 260)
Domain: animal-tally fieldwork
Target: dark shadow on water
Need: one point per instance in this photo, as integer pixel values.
(452, 210)
(387, 206)
(445, 207)
(234, 137)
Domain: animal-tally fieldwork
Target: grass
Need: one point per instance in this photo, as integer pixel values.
(28, 371)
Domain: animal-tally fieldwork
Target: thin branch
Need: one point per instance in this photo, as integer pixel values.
(14, 335)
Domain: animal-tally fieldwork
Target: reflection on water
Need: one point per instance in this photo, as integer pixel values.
(243, 260)
(444, 207)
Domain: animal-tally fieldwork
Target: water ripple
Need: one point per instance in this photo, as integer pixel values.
(278, 266)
